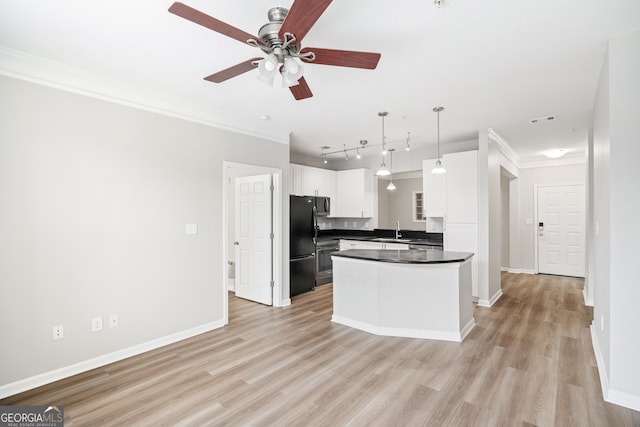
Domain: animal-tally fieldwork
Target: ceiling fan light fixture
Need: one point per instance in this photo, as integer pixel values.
(267, 69)
(291, 72)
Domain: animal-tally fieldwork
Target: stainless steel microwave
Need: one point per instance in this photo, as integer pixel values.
(323, 206)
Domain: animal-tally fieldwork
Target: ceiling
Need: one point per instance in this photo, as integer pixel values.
(491, 64)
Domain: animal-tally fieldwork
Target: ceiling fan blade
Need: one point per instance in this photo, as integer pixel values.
(343, 58)
(233, 71)
(301, 90)
(193, 15)
(301, 17)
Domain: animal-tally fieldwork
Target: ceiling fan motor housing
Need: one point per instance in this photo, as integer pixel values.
(269, 32)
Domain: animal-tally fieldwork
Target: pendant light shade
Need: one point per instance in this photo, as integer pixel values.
(383, 171)
(438, 169)
(391, 185)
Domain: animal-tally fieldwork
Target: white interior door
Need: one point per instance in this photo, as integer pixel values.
(561, 237)
(253, 244)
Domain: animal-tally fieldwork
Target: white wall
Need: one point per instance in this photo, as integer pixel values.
(505, 230)
(526, 233)
(397, 205)
(616, 233)
(95, 198)
(403, 161)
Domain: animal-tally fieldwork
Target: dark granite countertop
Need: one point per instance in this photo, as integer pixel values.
(410, 256)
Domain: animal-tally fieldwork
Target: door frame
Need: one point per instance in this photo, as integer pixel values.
(276, 224)
(535, 218)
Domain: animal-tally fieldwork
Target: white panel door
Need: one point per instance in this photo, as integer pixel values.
(253, 238)
(561, 237)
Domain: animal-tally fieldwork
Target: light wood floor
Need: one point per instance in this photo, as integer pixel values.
(529, 361)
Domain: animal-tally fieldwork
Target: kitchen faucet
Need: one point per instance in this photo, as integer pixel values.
(398, 235)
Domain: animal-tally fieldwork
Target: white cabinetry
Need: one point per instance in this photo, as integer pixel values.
(367, 244)
(454, 197)
(462, 187)
(309, 181)
(319, 182)
(433, 186)
(354, 194)
(295, 173)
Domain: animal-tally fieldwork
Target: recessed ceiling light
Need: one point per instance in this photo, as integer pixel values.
(265, 117)
(555, 153)
(542, 119)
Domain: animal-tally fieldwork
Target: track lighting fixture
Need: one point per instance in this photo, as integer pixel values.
(408, 146)
(346, 155)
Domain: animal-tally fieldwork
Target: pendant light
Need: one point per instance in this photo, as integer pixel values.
(438, 168)
(383, 171)
(391, 185)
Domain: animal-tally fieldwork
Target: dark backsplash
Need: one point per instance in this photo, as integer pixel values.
(378, 232)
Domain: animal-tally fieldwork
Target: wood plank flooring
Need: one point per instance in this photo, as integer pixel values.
(528, 362)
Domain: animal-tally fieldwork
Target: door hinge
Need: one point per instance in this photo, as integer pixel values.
(272, 283)
(272, 236)
(272, 188)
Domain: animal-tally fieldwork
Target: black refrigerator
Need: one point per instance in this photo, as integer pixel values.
(302, 246)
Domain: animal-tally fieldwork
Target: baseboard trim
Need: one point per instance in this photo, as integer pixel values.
(86, 365)
(602, 372)
(406, 332)
(521, 271)
(283, 303)
(622, 398)
(610, 395)
(587, 301)
(490, 301)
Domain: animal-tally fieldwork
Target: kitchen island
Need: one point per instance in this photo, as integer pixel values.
(406, 293)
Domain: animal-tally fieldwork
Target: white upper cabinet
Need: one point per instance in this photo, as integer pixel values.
(462, 187)
(319, 182)
(295, 173)
(452, 195)
(354, 194)
(309, 181)
(434, 189)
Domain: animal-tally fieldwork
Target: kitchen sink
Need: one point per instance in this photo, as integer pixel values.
(391, 240)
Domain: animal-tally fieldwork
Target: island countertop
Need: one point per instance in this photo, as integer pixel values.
(410, 256)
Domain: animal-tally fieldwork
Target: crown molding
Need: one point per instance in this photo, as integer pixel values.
(503, 146)
(23, 66)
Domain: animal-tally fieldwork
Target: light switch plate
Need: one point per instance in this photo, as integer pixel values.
(191, 229)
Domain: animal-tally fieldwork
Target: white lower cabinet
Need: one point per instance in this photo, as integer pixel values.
(464, 238)
(367, 244)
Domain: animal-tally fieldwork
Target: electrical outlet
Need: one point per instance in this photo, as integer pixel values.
(58, 332)
(113, 320)
(96, 324)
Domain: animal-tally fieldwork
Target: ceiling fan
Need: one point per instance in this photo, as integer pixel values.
(280, 40)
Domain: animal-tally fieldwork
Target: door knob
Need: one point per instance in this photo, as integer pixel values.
(236, 243)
